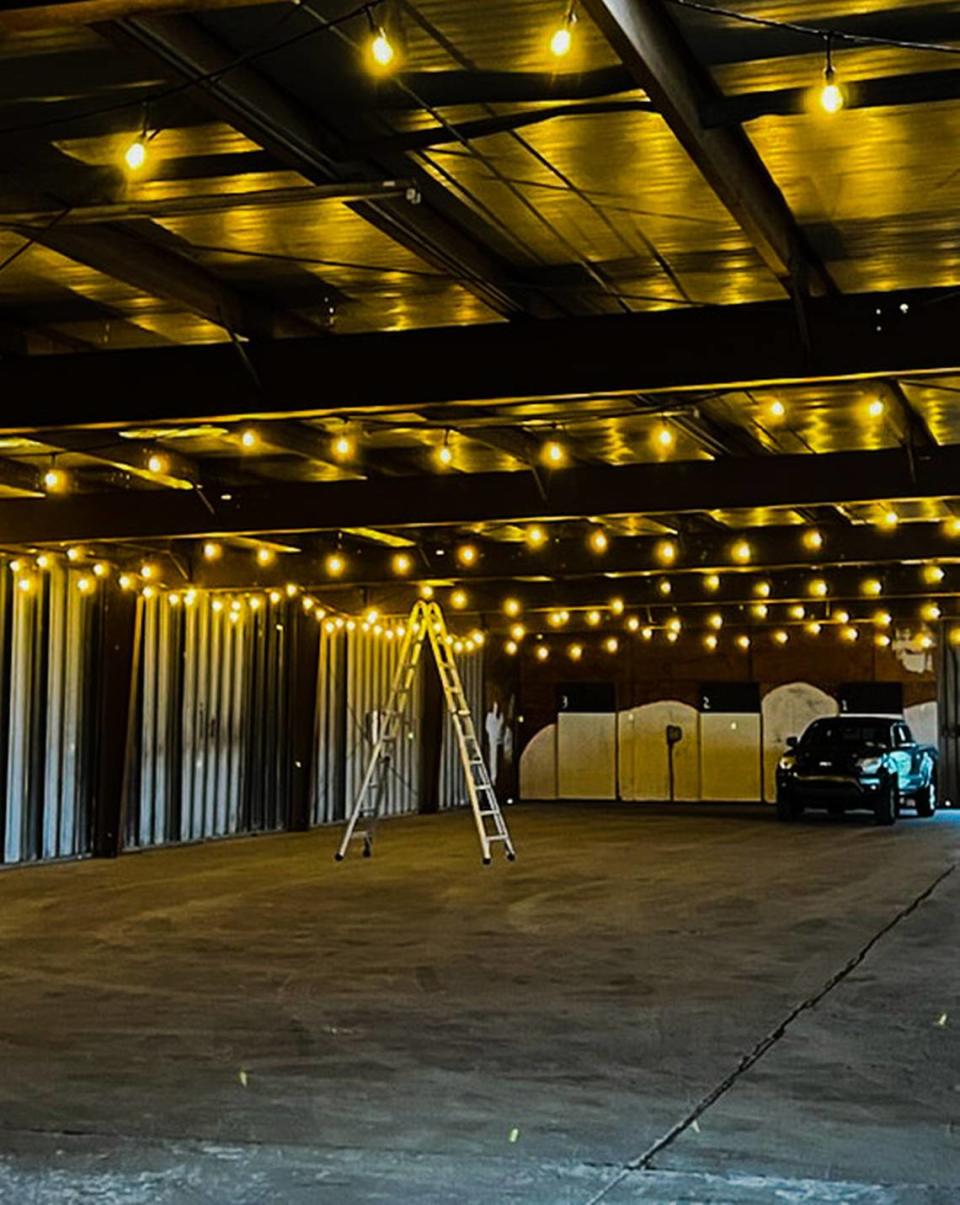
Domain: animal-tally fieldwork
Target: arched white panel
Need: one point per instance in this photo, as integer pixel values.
(538, 765)
(644, 765)
(786, 711)
(924, 723)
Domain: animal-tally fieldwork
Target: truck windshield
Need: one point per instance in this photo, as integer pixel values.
(848, 733)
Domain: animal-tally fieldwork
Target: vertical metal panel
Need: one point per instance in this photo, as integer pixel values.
(47, 666)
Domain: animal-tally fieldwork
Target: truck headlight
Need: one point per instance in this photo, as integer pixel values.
(871, 765)
(785, 763)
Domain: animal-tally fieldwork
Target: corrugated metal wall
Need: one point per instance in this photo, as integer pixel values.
(210, 756)
(49, 649)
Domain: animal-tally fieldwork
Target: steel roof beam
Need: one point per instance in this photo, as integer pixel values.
(652, 48)
(844, 478)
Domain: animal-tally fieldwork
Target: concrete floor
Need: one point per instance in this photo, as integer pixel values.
(650, 1005)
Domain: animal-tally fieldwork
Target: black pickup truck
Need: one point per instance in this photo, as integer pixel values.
(857, 761)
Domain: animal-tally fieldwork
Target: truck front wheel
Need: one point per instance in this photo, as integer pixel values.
(887, 804)
(788, 809)
(926, 800)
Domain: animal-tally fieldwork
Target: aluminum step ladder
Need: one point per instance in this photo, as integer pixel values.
(427, 623)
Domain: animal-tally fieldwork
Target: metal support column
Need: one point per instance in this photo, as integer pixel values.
(116, 684)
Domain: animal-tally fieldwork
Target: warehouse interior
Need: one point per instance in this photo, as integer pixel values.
(620, 336)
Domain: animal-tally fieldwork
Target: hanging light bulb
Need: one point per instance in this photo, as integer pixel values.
(445, 452)
(402, 564)
(561, 40)
(743, 643)
(511, 648)
(666, 552)
(664, 587)
(710, 642)
(776, 409)
(54, 481)
(616, 606)
(536, 536)
(381, 50)
(711, 583)
(517, 632)
(553, 454)
(611, 645)
(872, 587)
(458, 600)
(343, 446)
(761, 589)
(780, 637)
(135, 156)
(664, 438)
(335, 564)
(599, 543)
(741, 552)
(797, 611)
(594, 618)
(543, 652)
(812, 540)
(575, 652)
(249, 438)
(715, 621)
(512, 607)
(831, 97)
(212, 551)
(265, 556)
(467, 554)
(932, 575)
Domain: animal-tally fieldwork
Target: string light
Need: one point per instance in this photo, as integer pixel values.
(850, 634)
(881, 640)
(44, 561)
(781, 637)
(458, 600)
(517, 632)
(100, 569)
(871, 587)
(157, 463)
(249, 438)
(927, 641)
(673, 637)
(553, 454)
(711, 641)
(467, 554)
(883, 619)
(743, 643)
(402, 564)
(776, 409)
(831, 96)
(343, 447)
(265, 556)
(292, 589)
(813, 628)
(74, 554)
(135, 156)
(445, 452)
(535, 536)
(557, 619)
(741, 552)
(646, 634)
(275, 596)
(666, 552)
(54, 481)
(711, 583)
(335, 565)
(674, 624)
(890, 518)
(147, 571)
(616, 606)
(812, 539)
(761, 589)
(633, 624)
(930, 612)
(594, 618)
(380, 48)
(598, 541)
(25, 584)
(951, 527)
(797, 611)
(664, 587)
(212, 551)
(512, 607)
(511, 648)
(426, 592)
(876, 408)
(715, 621)
(664, 438)
(575, 652)
(759, 610)
(840, 616)
(542, 653)
(561, 40)
(817, 588)
(125, 581)
(611, 645)
(149, 592)
(932, 575)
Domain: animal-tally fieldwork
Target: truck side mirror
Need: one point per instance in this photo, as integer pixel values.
(792, 742)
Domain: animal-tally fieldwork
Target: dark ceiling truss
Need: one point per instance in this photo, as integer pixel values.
(567, 361)
(440, 230)
(672, 77)
(778, 553)
(841, 478)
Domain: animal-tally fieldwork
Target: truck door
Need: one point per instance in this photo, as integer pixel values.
(906, 756)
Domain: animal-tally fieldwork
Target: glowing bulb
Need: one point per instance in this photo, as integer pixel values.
(25, 584)
(249, 438)
(616, 606)
(553, 454)
(611, 644)
(511, 648)
(890, 518)
(932, 575)
(664, 587)
(148, 571)
(881, 640)
(812, 540)
(780, 637)
(135, 156)
(172, 599)
(426, 592)
(536, 537)
(817, 588)
(831, 98)
(952, 527)
(275, 596)
(266, 556)
(876, 408)
(711, 583)
(73, 554)
(575, 652)
(335, 564)
(926, 641)
(666, 552)
(402, 564)
(517, 632)
(343, 447)
(562, 40)
(715, 621)
(542, 652)
(148, 592)
(710, 642)
(381, 49)
(157, 463)
(43, 561)
(840, 616)
(664, 438)
(741, 552)
(598, 540)
(125, 581)
(647, 634)
(777, 409)
(812, 628)
(467, 554)
(557, 619)
(593, 618)
(883, 619)
(54, 481)
(99, 569)
(930, 612)
(512, 607)
(445, 455)
(761, 589)
(673, 637)
(292, 590)
(797, 611)
(743, 643)
(871, 587)
(212, 552)
(674, 624)
(458, 599)
(850, 634)
(759, 610)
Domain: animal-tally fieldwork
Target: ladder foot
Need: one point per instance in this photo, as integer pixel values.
(338, 857)
(511, 857)
(487, 861)
(367, 851)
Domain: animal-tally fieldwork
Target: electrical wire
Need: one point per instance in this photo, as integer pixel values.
(821, 32)
(322, 24)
